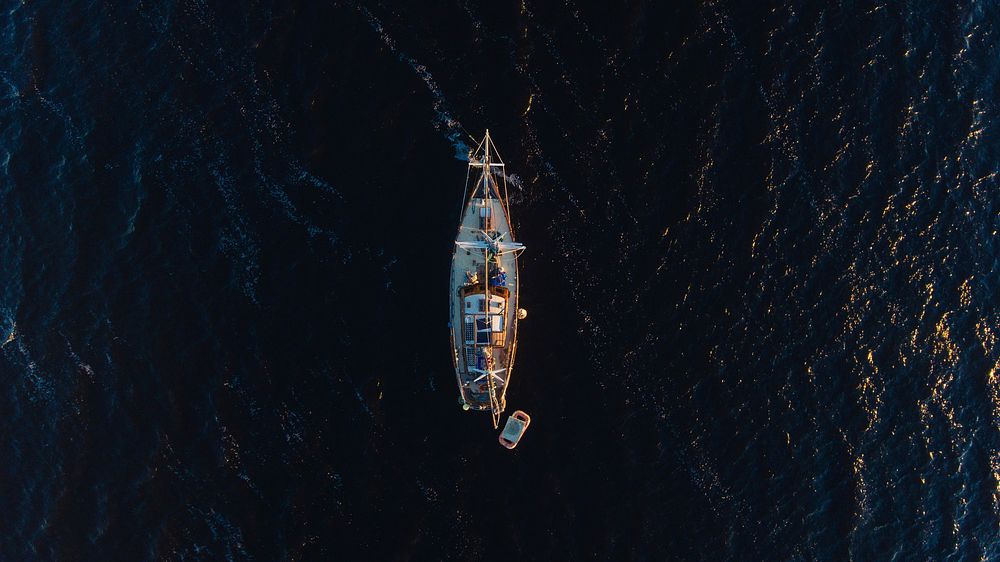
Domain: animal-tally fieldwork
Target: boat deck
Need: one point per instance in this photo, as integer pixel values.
(476, 395)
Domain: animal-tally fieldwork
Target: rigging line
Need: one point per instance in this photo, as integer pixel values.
(505, 202)
(499, 157)
(472, 162)
(486, 275)
(491, 385)
(461, 208)
(479, 144)
(472, 138)
(468, 172)
(506, 207)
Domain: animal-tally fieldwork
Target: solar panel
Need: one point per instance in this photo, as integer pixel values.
(469, 330)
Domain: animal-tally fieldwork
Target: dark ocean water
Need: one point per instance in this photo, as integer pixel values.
(761, 275)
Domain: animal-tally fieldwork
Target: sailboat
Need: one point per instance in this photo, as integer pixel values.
(483, 290)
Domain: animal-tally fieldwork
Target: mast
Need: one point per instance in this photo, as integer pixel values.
(494, 404)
